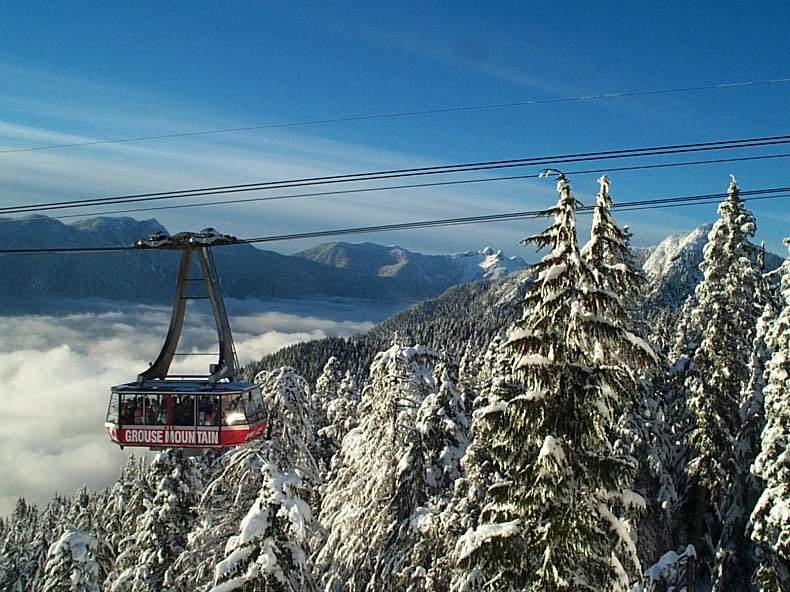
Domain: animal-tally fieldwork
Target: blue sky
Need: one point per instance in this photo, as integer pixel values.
(76, 71)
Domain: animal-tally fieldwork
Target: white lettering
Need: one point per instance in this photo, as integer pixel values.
(208, 437)
(165, 436)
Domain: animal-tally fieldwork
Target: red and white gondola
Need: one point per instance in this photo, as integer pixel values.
(162, 411)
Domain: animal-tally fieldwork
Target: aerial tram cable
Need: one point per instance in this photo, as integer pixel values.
(487, 218)
(343, 192)
(162, 410)
(657, 203)
(401, 114)
(411, 172)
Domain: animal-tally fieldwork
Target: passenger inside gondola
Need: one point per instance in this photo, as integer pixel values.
(132, 410)
(208, 410)
(183, 410)
(155, 411)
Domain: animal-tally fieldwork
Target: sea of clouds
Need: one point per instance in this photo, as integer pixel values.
(56, 370)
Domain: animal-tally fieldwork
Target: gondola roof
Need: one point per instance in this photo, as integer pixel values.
(183, 387)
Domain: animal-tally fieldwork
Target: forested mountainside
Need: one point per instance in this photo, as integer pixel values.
(464, 316)
(341, 270)
(470, 316)
(529, 435)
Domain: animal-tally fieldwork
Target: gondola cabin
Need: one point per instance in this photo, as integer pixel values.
(216, 410)
(185, 414)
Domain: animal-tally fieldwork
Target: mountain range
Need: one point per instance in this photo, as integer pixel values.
(333, 270)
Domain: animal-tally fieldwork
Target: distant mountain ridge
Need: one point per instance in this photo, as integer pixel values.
(435, 270)
(336, 270)
(332, 270)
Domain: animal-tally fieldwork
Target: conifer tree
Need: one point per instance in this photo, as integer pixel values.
(416, 555)
(342, 411)
(443, 424)
(326, 392)
(735, 562)
(727, 314)
(287, 397)
(469, 368)
(119, 504)
(13, 575)
(233, 482)
(71, 565)
(85, 514)
(554, 527)
(162, 529)
(642, 431)
(269, 552)
(326, 387)
(46, 528)
(268, 549)
(771, 515)
(239, 478)
(380, 480)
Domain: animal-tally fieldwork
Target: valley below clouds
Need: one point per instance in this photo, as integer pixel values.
(56, 372)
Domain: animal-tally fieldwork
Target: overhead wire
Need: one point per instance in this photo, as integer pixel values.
(627, 206)
(411, 172)
(402, 114)
(688, 200)
(343, 192)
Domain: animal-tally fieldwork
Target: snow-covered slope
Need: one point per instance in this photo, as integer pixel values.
(672, 267)
(675, 251)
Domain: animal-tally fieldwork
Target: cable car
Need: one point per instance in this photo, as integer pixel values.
(160, 410)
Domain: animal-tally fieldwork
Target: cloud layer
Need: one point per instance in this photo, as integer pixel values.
(56, 371)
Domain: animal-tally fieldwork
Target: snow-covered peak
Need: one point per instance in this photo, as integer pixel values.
(676, 250)
(488, 264)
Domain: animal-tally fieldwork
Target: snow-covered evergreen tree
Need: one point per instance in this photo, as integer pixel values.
(243, 476)
(443, 424)
(381, 479)
(554, 527)
(287, 397)
(118, 504)
(161, 531)
(85, 515)
(771, 515)
(269, 552)
(44, 533)
(326, 387)
(734, 560)
(71, 563)
(481, 476)
(14, 565)
(642, 432)
(417, 556)
(727, 314)
(326, 391)
(342, 411)
(233, 482)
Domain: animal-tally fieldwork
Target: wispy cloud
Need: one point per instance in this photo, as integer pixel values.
(110, 169)
(84, 111)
